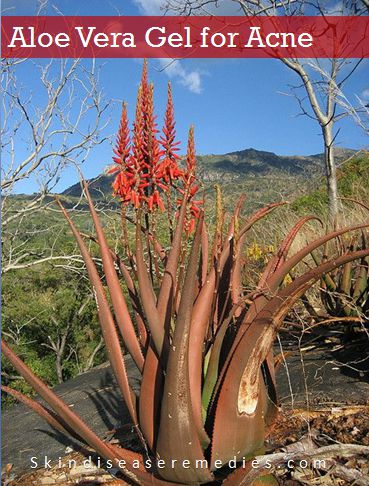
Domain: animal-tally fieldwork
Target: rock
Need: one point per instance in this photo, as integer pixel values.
(82, 470)
(47, 480)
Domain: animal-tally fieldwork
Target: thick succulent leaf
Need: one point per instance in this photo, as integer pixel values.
(205, 301)
(360, 203)
(110, 334)
(151, 392)
(259, 302)
(236, 278)
(277, 277)
(168, 284)
(236, 215)
(269, 375)
(122, 315)
(242, 402)
(240, 394)
(159, 250)
(51, 418)
(218, 227)
(135, 300)
(281, 255)
(214, 360)
(74, 421)
(195, 374)
(204, 255)
(236, 284)
(258, 215)
(123, 270)
(273, 265)
(362, 282)
(345, 299)
(327, 279)
(178, 435)
(148, 297)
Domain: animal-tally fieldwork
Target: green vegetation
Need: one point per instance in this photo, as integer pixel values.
(353, 177)
(49, 316)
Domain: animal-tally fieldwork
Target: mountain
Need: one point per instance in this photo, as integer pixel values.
(238, 165)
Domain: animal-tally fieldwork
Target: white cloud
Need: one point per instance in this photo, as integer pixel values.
(150, 7)
(365, 94)
(189, 79)
(157, 7)
(334, 8)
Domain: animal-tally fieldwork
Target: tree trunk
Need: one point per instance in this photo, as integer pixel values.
(331, 174)
(59, 366)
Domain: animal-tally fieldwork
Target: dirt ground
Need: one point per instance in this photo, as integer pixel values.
(324, 425)
(323, 402)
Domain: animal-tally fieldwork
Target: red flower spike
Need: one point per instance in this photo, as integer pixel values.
(151, 166)
(190, 184)
(170, 169)
(122, 149)
(122, 152)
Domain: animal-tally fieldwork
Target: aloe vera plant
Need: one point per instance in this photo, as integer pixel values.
(345, 291)
(203, 347)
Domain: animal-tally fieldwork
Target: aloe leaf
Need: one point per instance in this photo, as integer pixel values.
(277, 277)
(148, 297)
(239, 407)
(204, 301)
(271, 287)
(236, 278)
(281, 255)
(204, 254)
(360, 203)
(237, 267)
(159, 250)
(178, 435)
(241, 399)
(123, 317)
(168, 284)
(236, 215)
(213, 365)
(107, 322)
(136, 304)
(261, 213)
(362, 281)
(344, 296)
(219, 221)
(51, 417)
(151, 392)
(73, 420)
(327, 279)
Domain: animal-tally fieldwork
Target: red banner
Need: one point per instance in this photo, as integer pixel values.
(185, 37)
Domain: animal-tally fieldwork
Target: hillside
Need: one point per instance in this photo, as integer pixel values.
(234, 166)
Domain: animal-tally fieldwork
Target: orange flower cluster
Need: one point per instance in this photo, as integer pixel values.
(147, 166)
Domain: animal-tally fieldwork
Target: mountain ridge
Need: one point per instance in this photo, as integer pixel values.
(234, 165)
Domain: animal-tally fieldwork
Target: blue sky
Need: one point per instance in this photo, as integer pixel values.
(234, 104)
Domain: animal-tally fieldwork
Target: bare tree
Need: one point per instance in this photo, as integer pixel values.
(321, 81)
(357, 109)
(48, 124)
